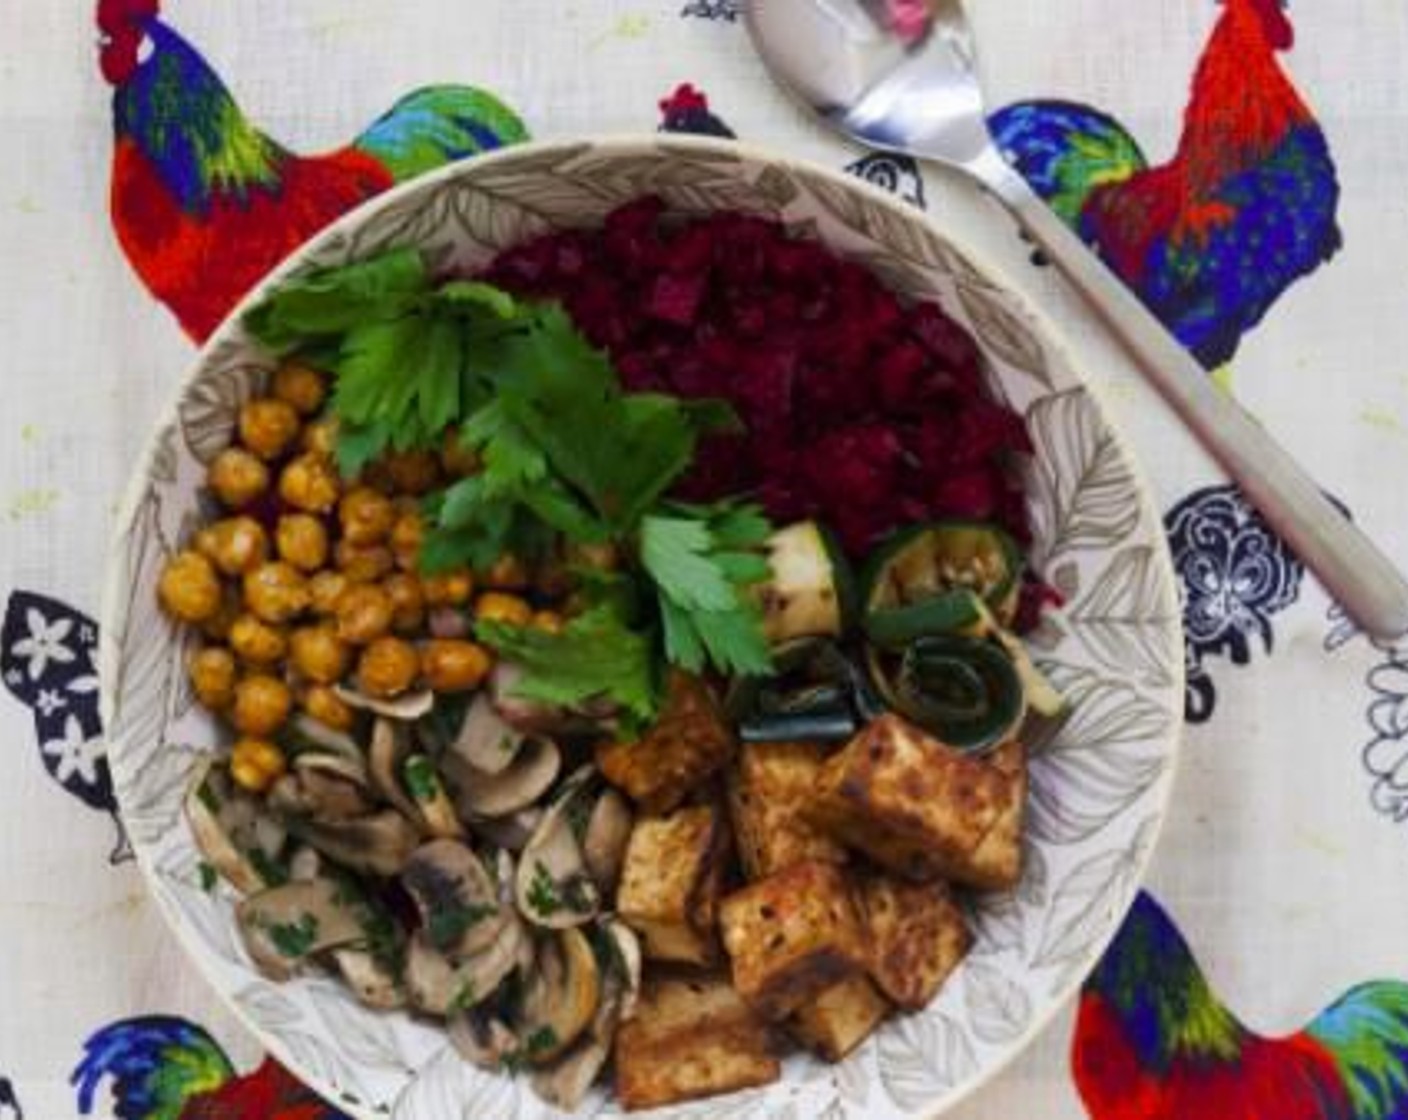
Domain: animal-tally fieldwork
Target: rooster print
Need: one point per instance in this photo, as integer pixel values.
(1153, 1042)
(164, 1068)
(47, 652)
(1244, 210)
(205, 204)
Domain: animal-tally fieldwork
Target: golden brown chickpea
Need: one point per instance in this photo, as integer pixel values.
(329, 709)
(407, 602)
(495, 606)
(213, 676)
(508, 573)
(276, 592)
(301, 386)
(448, 589)
(363, 614)
(366, 516)
(256, 764)
(262, 704)
(457, 460)
(325, 589)
(319, 654)
(407, 535)
(189, 589)
(596, 557)
(363, 563)
(549, 622)
(452, 666)
(238, 477)
(320, 437)
(217, 626)
(256, 642)
(388, 667)
(268, 427)
(413, 472)
(236, 545)
(310, 483)
(302, 540)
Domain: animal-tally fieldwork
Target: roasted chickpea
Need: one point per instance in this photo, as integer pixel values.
(407, 602)
(448, 589)
(236, 545)
(276, 592)
(508, 573)
(319, 654)
(457, 460)
(213, 676)
(302, 540)
(329, 709)
(268, 426)
(310, 483)
(320, 437)
(238, 477)
(407, 535)
(256, 764)
(413, 472)
(367, 516)
(262, 704)
(550, 622)
(325, 589)
(495, 606)
(301, 386)
(189, 589)
(256, 642)
(452, 666)
(388, 667)
(363, 563)
(363, 613)
(594, 557)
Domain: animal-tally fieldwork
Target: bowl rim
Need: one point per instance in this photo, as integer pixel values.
(113, 610)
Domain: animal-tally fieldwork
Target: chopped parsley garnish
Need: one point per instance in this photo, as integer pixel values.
(294, 940)
(449, 923)
(421, 779)
(463, 999)
(208, 876)
(539, 1043)
(208, 797)
(267, 868)
(542, 892)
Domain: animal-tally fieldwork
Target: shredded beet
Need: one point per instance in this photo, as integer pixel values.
(861, 411)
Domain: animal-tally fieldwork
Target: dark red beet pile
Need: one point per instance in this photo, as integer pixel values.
(860, 411)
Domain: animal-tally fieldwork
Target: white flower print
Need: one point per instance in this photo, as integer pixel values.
(75, 753)
(48, 702)
(44, 644)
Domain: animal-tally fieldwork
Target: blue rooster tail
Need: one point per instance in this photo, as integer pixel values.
(157, 1064)
(1366, 1033)
(436, 125)
(1066, 151)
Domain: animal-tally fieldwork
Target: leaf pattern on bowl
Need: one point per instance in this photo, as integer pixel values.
(1100, 779)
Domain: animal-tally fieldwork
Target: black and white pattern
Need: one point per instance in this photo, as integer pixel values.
(897, 174)
(726, 10)
(47, 652)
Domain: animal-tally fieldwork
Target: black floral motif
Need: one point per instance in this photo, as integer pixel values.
(726, 10)
(1236, 576)
(46, 658)
(10, 1108)
(898, 174)
(1386, 754)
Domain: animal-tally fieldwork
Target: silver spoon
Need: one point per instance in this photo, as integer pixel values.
(920, 95)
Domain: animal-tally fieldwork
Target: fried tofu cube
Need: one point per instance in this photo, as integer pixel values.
(671, 880)
(791, 936)
(691, 1038)
(997, 861)
(917, 936)
(688, 744)
(841, 1018)
(918, 807)
(769, 785)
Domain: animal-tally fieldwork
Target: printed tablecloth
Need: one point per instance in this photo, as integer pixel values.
(1242, 163)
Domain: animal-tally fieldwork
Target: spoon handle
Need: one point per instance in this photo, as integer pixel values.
(1350, 566)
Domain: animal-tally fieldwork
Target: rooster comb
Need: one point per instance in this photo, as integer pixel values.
(115, 16)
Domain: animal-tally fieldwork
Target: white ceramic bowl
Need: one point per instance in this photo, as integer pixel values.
(1099, 789)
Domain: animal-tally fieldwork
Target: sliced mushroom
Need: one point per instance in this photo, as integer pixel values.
(378, 844)
(328, 787)
(406, 708)
(438, 986)
(305, 865)
(327, 739)
(485, 741)
(391, 744)
(562, 997)
(554, 889)
(482, 1040)
(628, 961)
(433, 804)
(228, 828)
(457, 898)
(509, 833)
(481, 795)
(284, 926)
(373, 983)
(604, 845)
